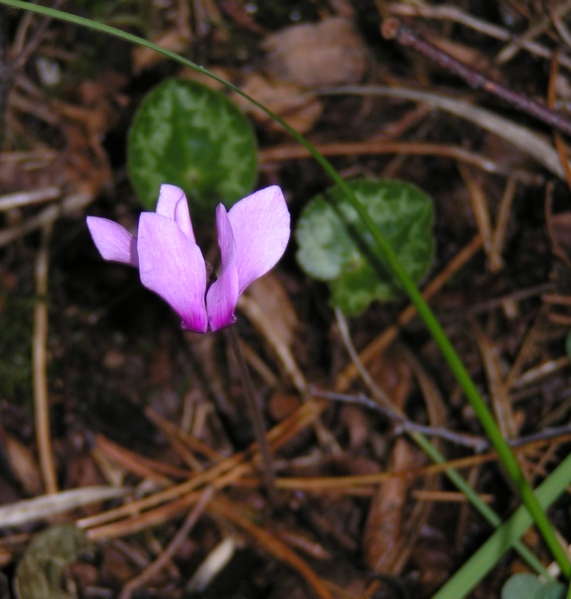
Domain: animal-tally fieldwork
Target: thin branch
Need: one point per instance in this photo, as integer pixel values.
(457, 15)
(403, 425)
(39, 358)
(407, 36)
(153, 569)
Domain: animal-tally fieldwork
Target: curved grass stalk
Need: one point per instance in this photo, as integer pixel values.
(480, 564)
(462, 376)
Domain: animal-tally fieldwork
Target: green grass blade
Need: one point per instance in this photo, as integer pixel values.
(480, 564)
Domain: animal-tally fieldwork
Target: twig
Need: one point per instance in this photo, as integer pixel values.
(41, 398)
(480, 212)
(535, 30)
(403, 425)
(502, 219)
(407, 36)
(27, 511)
(382, 146)
(35, 40)
(217, 475)
(380, 396)
(519, 136)
(29, 197)
(257, 417)
(148, 573)
(261, 321)
(457, 15)
(69, 205)
(225, 509)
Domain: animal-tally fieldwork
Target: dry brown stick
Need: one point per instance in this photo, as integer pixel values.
(223, 508)
(261, 321)
(523, 138)
(132, 517)
(138, 522)
(330, 483)
(557, 20)
(407, 36)
(557, 138)
(171, 429)
(283, 432)
(457, 15)
(499, 234)
(480, 212)
(148, 573)
(381, 146)
(22, 49)
(138, 464)
(532, 32)
(39, 358)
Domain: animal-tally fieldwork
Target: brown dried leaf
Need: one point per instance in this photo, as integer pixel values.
(383, 532)
(281, 405)
(23, 464)
(270, 293)
(326, 53)
(393, 375)
(300, 109)
(500, 397)
(359, 425)
(176, 40)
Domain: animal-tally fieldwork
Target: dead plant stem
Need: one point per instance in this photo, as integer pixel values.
(407, 36)
(164, 558)
(256, 415)
(39, 358)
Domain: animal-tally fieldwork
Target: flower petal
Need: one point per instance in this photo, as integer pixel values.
(113, 241)
(261, 228)
(173, 267)
(222, 296)
(173, 204)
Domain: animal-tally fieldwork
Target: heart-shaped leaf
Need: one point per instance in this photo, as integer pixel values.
(189, 135)
(528, 586)
(334, 245)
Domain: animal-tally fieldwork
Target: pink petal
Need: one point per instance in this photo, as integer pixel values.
(113, 241)
(261, 227)
(173, 204)
(223, 293)
(172, 266)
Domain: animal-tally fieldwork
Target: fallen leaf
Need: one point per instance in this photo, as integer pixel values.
(300, 109)
(23, 464)
(383, 533)
(326, 53)
(176, 40)
(270, 293)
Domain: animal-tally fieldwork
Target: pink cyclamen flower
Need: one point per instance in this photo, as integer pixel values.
(252, 237)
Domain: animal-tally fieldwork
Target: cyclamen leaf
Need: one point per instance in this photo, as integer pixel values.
(193, 137)
(528, 586)
(335, 247)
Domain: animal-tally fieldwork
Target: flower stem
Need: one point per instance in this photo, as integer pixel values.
(257, 417)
